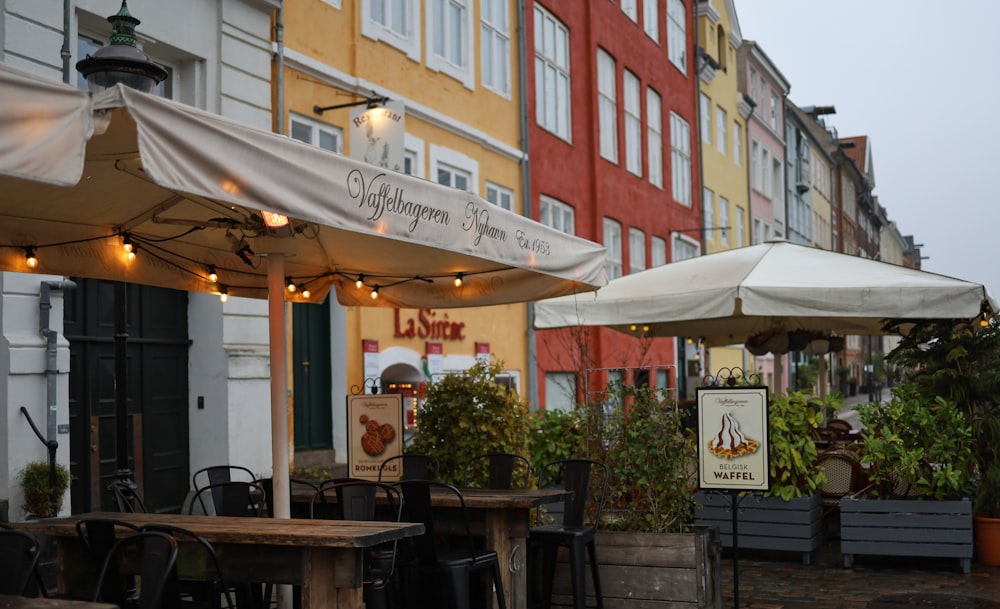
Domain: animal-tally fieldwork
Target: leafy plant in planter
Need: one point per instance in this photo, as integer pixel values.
(555, 434)
(793, 434)
(37, 488)
(468, 413)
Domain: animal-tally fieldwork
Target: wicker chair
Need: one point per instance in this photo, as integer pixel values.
(843, 472)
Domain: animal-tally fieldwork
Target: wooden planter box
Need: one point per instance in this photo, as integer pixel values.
(766, 523)
(906, 527)
(651, 570)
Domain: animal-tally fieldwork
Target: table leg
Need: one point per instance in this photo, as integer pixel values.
(332, 578)
(506, 532)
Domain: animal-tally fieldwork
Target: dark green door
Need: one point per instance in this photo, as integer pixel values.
(311, 356)
(157, 391)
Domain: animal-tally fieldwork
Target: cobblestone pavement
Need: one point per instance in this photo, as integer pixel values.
(779, 580)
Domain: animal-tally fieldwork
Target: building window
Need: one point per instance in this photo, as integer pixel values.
(708, 212)
(449, 34)
(724, 221)
(633, 124)
(453, 176)
(657, 251)
(774, 112)
(394, 23)
(777, 181)
(677, 34)
(737, 144)
(720, 126)
(495, 41)
(651, 18)
(636, 250)
(560, 391)
(316, 133)
(613, 245)
(556, 214)
(454, 169)
(705, 118)
(630, 8)
(684, 248)
(500, 196)
(607, 106)
(654, 138)
(680, 159)
(758, 231)
(753, 86)
(413, 156)
(552, 101)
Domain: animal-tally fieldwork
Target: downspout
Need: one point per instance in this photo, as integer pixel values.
(65, 51)
(279, 57)
(522, 81)
(51, 350)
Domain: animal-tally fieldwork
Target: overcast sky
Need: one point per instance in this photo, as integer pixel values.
(922, 80)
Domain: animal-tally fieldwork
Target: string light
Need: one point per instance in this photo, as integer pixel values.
(458, 280)
(290, 286)
(132, 249)
(127, 244)
(223, 293)
(360, 281)
(212, 275)
(29, 257)
(374, 292)
(305, 292)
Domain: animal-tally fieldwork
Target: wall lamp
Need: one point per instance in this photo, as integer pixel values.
(374, 101)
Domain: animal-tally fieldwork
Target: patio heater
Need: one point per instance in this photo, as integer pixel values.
(121, 61)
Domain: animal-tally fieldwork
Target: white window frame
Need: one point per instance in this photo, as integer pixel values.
(613, 247)
(607, 105)
(334, 3)
(631, 9)
(654, 137)
(651, 19)
(737, 143)
(677, 34)
(495, 45)
(682, 246)
(446, 158)
(708, 213)
(774, 112)
(500, 196)
(721, 122)
(723, 221)
(441, 21)
(657, 251)
(553, 103)
(560, 391)
(705, 117)
(633, 123)
(315, 129)
(413, 148)
(409, 41)
(636, 250)
(680, 159)
(556, 214)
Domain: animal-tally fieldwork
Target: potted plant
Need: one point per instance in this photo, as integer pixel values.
(919, 454)
(42, 488)
(788, 516)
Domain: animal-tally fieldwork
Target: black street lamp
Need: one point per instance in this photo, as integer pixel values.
(121, 61)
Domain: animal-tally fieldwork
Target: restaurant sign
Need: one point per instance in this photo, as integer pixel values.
(733, 438)
(374, 433)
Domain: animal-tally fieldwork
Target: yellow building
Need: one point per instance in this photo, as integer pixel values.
(452, 69)
(722, 119)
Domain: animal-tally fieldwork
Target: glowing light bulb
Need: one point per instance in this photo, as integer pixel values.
(374, 292)
(458, 280)
(29, 258)
(306, 293)
(224, 294)
(291, 287)
(359, 282)
(212, 275)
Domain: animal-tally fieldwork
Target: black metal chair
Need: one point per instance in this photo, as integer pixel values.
(457, 562)
(235, 498)
(409, 466)
(357, 500)
(581, 513)
(293, 483)
(18, 561)
(99, 536)
(217, 474)
(497, 471)
(206, 587)
(157, 572)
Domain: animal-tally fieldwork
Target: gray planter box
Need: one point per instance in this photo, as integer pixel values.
(646, 570)
(906, 527)
(766, 523)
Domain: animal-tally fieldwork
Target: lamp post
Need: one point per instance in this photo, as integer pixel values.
(121, 61)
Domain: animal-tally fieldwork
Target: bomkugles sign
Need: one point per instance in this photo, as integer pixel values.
(733, 438)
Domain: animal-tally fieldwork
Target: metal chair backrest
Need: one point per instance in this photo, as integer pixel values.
(178, 533)
(268, 486)
(236, 498)
(409, 466)
(587, 479)
(355, 500)
(157, 573)
(217, 474)
(500, 470)
(417, 507)
(18, 559)
(99, 536)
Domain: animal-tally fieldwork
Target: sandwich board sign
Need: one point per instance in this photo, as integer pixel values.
(733, 438)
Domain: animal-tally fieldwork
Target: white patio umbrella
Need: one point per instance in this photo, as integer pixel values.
(767, 294)
(193, 192)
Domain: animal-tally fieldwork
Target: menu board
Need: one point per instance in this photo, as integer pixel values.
(733, 438)
(374, 433)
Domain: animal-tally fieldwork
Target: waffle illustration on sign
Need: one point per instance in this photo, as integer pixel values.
(730, 442)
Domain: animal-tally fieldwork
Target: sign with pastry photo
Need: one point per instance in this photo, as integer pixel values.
(733, 438)
(374, 425)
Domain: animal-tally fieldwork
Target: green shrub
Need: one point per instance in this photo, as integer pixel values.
(792, 446)
(555, 434)
(37, 488)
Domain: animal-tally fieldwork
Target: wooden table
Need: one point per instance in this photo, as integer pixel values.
(323, 556)
(23, 602)
(501, 516)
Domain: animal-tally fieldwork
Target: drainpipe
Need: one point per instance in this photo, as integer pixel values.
(522, 73)
(64, 52)
(279, 39)
(51, 370)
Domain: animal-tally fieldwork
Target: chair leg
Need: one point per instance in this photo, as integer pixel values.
(548, 573)
(498, 586)
(460, 589)
(578, 575)
(595, 573)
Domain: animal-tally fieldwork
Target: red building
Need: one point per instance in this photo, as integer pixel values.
(613, 148)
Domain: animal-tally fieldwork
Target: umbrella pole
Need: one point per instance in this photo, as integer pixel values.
(279, 384)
